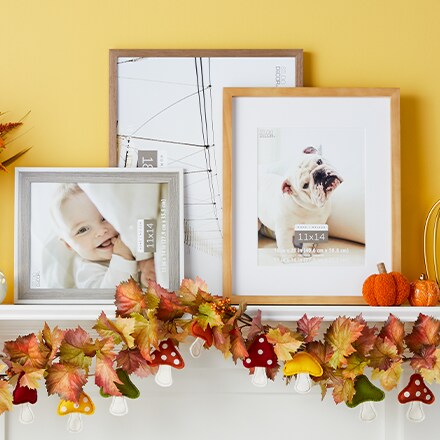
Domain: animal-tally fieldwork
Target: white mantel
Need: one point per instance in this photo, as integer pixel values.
(212, 394)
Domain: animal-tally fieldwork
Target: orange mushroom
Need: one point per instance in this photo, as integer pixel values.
(203, 338)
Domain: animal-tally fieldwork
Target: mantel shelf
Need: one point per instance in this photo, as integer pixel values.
(269, 313)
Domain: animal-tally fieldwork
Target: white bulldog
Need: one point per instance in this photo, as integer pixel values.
(300, 198)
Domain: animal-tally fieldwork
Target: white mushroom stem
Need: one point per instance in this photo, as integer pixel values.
(196, 348)
(26, 414)
(163, 376)
(303, 383)
(119, 406)
(367, 412)
(74, 423)
(259, 378)
(415, 412)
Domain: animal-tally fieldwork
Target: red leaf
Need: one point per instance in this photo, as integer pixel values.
(365, 343)
(66, 381)
(130, 360)
(170, 306)
(238, 346)
(425, 332)
(256, 326)
(394, 331)
(425, 359)
(25, 350)
(309, 328)
(129, 298)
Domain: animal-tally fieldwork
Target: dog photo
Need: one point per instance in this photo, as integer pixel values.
(311, 196)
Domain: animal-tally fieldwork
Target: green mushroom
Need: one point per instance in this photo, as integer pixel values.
(366, 394)
(127, 388)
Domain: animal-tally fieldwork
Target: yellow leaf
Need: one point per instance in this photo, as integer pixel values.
(433, 374)
(355, 366)
(285, 342)
(5, 397)
(388, 378)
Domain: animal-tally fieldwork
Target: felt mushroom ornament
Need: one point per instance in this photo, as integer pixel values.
(203, 338)
(127, 388)
(261, 356)
(75, 411)
(165, 357)
(303, 365)
(385, 289)
(416, 393)
(365, 394)
(25, 397)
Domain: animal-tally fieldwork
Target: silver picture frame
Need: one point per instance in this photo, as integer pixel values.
(144, 208)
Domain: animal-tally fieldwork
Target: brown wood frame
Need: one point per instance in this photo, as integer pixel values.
(156, 53)
(228, 95)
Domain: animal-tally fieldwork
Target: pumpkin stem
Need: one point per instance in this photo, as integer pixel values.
(381, 268)
(423, 277)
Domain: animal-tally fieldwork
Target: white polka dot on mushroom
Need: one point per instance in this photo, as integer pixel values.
(406, 394)
(87, 409)
(173, 354)
(76, 406)
(165, 346)
(164, 357)
(176, 362)
(418, 393)
(261, 340)
(63, 409)
(85, 399)
(269, 362)
(417, 382)
(248, 361)
(428, 397)
(260, 352)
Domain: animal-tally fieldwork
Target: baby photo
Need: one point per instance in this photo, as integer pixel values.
(97, 235)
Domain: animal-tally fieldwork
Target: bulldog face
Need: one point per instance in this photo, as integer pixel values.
(313, 181)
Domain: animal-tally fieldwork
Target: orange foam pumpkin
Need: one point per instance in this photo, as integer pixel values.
(385, 289)
(424, 292)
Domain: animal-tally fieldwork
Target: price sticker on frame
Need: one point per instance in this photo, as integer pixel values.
(311, 233)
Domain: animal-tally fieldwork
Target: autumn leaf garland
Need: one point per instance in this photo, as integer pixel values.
(64, 359)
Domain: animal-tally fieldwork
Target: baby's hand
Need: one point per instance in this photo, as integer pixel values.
(121, 249)
(146, 268)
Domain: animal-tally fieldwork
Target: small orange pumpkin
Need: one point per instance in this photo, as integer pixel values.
(385, 289)
(424, 292)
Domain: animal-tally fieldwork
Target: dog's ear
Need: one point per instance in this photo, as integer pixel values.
(310, 150)
(286, 187)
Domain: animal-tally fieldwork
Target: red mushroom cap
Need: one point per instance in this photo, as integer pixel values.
(167, 354)
(416, 390)
(261, 354)
(23, 394)
(206, 335)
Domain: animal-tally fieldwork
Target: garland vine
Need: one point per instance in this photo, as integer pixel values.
(146, 320)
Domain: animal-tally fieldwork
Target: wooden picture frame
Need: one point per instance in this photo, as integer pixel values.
(166, 110)
(359, 129)
(65, 254)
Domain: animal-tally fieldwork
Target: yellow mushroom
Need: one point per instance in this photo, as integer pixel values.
(84, 406)
(303, 365)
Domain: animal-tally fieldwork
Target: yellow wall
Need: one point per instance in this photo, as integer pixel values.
(54, 61)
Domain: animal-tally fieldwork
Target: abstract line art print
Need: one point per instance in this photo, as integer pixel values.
(166, 111)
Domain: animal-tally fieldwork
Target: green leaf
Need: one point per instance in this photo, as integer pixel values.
(208, 316)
